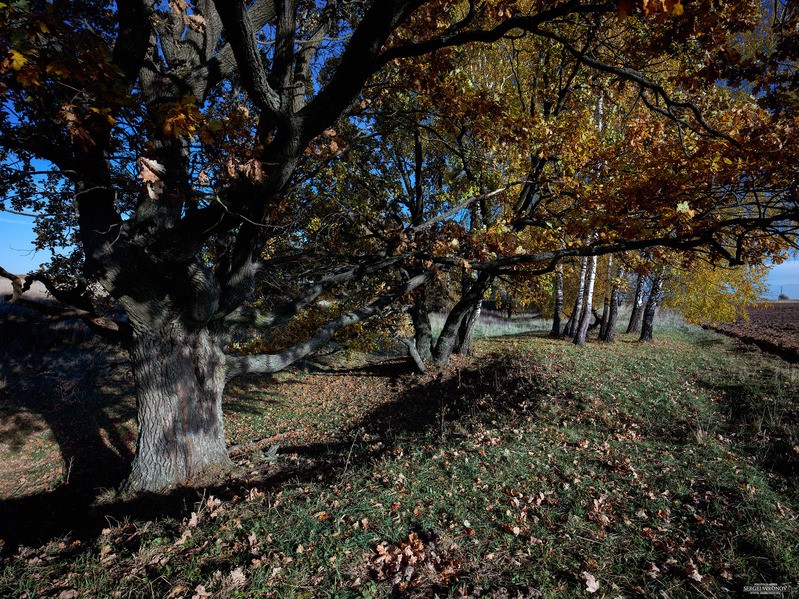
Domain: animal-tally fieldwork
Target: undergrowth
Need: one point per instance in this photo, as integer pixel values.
(538, 469)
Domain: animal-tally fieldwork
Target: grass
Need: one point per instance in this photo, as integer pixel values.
(492, 324)
(539, 469)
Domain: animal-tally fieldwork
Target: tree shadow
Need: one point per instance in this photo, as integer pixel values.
(761, 408)
(424, 412)
(391, 368)
(59, 377)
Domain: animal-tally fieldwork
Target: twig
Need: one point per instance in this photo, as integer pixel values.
(349, 455)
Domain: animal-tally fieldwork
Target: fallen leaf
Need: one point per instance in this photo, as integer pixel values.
(237, 578)
(692, 572)
(200, 592)
(177, 591)
(591, 585)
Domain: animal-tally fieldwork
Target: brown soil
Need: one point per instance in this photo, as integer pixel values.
(773, 327)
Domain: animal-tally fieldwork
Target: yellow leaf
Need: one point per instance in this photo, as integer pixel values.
(678, 9)
(17, 60)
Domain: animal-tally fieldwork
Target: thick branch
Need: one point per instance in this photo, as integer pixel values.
(71, 297)
(106, 327)
(524, 22)
(241, 33)
(359, 61)
(132, 39)
(268, 363)
(462, 206)
(248, 317)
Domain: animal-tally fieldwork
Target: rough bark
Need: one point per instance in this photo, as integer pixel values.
(558, 312)
(647, 325)
(634, 326)
(574, 319)
(180, 377)
(587, 312)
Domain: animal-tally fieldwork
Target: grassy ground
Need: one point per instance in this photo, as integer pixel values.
(537, 470)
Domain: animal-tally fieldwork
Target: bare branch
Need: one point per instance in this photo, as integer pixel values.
(462, 206)
(106, 327)
(456, 37)
(640, 79)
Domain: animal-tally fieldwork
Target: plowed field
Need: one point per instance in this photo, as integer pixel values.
(773, 327)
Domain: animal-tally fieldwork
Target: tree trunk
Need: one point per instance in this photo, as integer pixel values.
(574, 319)
(585, 318)
(603, 320)
(612, 317)
(647, 325)
(558, 312)
(179, 377)
(463, 344)
(634, 325)
(449, 334)
(423, 332)
(603, 323)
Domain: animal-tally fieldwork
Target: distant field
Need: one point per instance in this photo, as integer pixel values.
(36, 292)
(772, 326)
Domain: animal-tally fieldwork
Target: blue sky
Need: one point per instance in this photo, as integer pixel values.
(16, 249)
(785, 276)
(17, 256)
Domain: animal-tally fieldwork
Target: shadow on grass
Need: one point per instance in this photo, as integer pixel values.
(60, 377)
(422, 413)
(761, 405)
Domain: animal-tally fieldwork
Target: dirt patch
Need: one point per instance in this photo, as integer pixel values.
(773, 327)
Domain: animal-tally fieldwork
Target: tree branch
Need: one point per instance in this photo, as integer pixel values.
(456, 37)
(462, 206)
(268, 363)
(638, 78)
(359, 61)
(241, 33)
(244, 316)
(106, 327)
